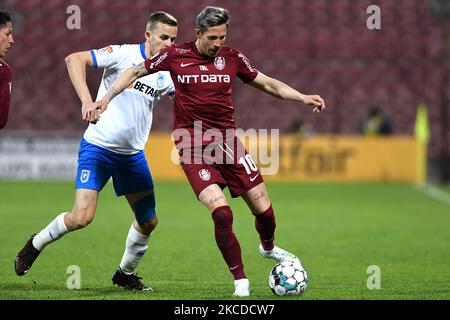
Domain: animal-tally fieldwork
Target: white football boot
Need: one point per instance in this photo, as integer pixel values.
(279, 255)
(241, 288)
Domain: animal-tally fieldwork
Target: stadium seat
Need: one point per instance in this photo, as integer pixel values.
(315, 46)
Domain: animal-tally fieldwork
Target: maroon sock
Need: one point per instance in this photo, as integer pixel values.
(265, 225)
(227, 242)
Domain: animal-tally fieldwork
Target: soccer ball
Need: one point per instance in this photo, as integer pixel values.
(288, 278)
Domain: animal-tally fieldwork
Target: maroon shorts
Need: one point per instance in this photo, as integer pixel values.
(227, 164)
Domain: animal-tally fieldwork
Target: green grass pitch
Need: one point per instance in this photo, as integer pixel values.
(338, 231)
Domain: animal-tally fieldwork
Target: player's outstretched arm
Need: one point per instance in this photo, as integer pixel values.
(122, 82)
(281, 90)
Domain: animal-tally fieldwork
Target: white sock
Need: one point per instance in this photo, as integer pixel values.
(55, 230)
(136, 246)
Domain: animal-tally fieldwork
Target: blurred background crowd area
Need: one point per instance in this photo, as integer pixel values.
(322, 47)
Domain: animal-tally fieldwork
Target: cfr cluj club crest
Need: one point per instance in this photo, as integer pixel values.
(204, 174)
(219, 62)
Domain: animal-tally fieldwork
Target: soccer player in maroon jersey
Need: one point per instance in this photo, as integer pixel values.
(203, 72)
(6, 41)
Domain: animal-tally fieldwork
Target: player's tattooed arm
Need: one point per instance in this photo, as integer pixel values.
(123, 81)
(111, 94)
(140, 70)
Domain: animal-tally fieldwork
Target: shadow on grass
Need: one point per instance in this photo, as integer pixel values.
(21, 291)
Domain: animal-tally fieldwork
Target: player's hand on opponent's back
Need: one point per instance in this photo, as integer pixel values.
(316, 101)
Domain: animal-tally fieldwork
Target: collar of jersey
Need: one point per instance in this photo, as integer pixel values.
(142, 47)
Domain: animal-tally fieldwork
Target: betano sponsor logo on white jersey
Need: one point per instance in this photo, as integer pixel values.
(145, 88)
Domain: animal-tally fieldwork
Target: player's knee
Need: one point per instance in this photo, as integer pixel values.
(145, 212)
(263, 210)
(223, 218)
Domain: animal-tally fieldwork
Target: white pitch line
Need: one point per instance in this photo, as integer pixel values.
(435, 193)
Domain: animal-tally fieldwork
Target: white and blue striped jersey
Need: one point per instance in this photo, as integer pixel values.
(125, 125)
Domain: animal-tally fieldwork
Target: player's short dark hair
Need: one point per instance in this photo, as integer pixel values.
(160, 16)
(4, 17)
(211, 17)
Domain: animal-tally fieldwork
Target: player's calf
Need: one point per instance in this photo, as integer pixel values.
(227, 242)
(135, 247)
(265, 225)
(145, 212)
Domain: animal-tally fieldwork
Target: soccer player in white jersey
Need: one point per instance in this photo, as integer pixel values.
(113, 147)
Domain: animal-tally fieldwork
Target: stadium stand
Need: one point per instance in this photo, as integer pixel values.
(317, 46)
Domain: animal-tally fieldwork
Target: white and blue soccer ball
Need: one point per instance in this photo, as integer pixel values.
(288, 278)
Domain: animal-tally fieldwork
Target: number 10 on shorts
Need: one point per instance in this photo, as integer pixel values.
(248, 163)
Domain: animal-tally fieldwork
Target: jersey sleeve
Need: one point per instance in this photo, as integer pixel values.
(245, 70)
(108, 57)
(159, 62)
(171, 92)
